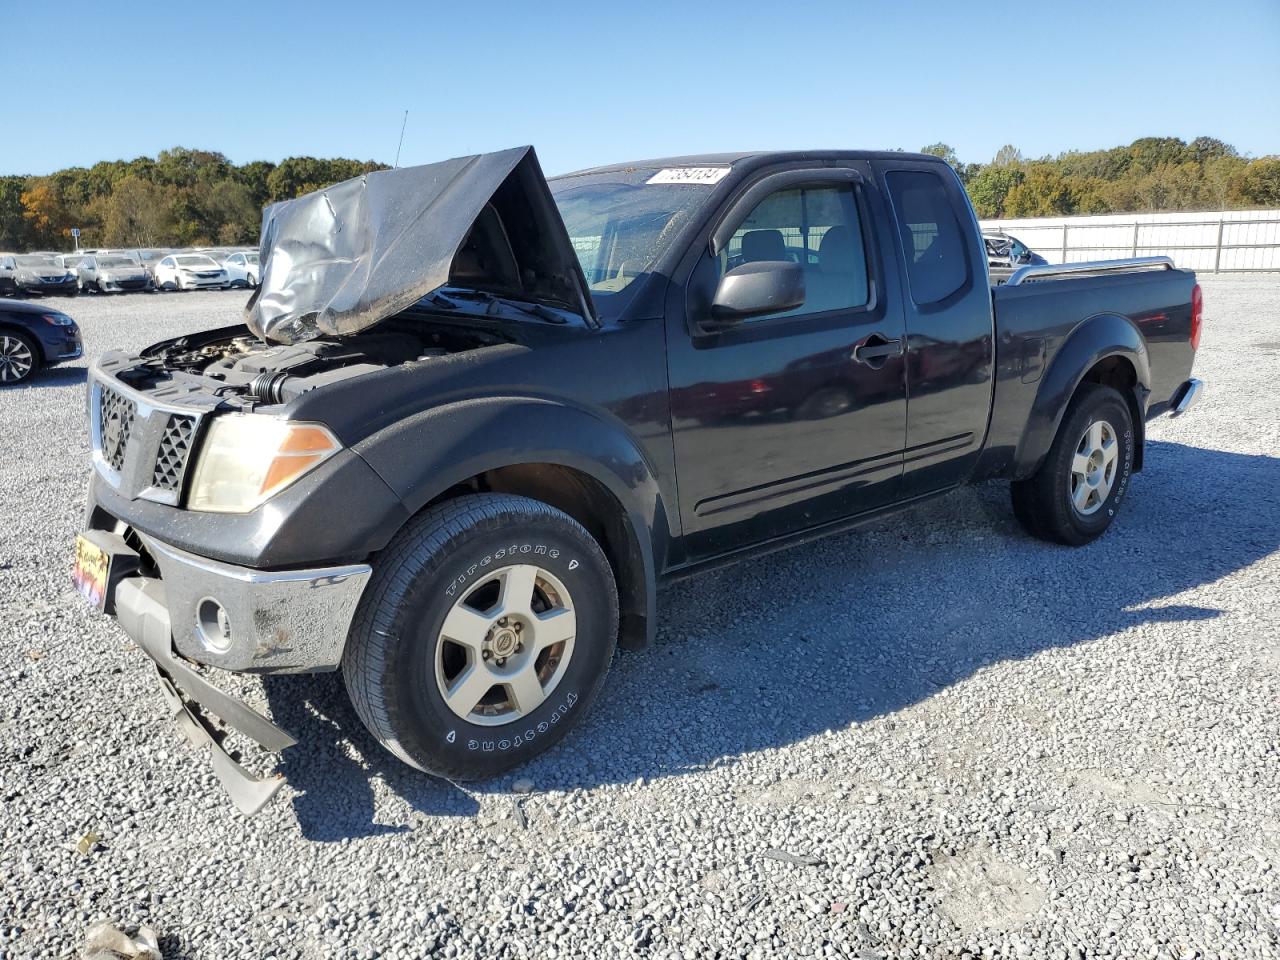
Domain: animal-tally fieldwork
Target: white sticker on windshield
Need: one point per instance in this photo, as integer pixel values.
(689, 175)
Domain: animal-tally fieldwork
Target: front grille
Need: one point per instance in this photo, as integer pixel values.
(115, 424)
(171, 457)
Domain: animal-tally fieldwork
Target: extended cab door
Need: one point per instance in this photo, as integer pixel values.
(950, 341)
(788, 420)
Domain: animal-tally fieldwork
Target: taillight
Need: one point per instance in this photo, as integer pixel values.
(1197, 315)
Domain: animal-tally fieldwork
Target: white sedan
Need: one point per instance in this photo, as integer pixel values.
(190, 271)
(242, 269)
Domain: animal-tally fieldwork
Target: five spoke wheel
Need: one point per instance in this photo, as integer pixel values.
(1093, 467)
(505, 644)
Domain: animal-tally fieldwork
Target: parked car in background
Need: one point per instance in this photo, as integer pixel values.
(1006, 254)
(242, 269)
(111, 273)
(42, 273)
(219, 254)
(71, 262)
(8, 275)
(32, 336)
(190, 271)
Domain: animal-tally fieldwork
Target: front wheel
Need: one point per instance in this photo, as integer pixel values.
(484, 635)
(19, 358)
(1075, 494)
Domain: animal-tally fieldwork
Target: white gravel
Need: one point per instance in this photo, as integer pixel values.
(958, 741)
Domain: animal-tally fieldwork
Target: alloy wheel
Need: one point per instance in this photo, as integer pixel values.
(16, 359)
(505, 645)
(1093, 467)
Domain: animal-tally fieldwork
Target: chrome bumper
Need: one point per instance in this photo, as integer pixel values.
(267, 622)
(1187, 396)
(256, 621)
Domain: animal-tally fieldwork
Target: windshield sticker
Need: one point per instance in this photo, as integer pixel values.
(689, 175)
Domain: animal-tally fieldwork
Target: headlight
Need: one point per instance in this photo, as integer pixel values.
(246, 458)
(57, 319)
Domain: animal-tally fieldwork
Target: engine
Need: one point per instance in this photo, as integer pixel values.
(265, 373)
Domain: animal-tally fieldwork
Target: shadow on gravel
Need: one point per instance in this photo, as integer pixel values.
(55, 377)
(861, 625)
(336, 762)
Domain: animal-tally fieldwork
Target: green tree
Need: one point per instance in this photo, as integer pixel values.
(1260, 183)
(1042, 193)
(14, 228)
(1008, 156)
(135, 214)
(990, 186)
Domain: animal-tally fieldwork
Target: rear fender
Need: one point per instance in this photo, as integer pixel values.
(1094, 340)
(424, 456)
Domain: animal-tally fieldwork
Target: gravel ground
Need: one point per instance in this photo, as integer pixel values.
(932, 738)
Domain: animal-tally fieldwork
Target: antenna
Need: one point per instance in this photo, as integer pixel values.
(404, 123)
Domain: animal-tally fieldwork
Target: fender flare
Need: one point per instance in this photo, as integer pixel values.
(425, 455)
(1092, 341)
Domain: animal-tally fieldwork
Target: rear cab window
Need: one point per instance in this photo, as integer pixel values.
(933, 242)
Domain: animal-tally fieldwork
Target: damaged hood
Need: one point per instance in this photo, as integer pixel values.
(337, 261)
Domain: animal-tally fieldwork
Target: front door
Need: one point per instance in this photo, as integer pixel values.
(793, 419)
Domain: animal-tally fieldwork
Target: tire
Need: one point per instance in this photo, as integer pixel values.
(1074, 496)
(824, 403)
(451, 564)
(19, 358)
(250, 281)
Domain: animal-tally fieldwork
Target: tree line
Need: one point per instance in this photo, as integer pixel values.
(180, 198)
(187, 197)
(1150, 175)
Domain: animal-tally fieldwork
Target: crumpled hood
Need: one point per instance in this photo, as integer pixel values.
(339, 260)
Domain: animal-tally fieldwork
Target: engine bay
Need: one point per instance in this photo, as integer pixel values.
(233, 363)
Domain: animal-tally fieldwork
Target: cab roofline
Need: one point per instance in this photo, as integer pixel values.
(754, 157)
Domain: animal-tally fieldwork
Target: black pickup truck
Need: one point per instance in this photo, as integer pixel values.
(474, 419)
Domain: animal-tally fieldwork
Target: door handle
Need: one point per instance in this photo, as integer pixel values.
(875, 350)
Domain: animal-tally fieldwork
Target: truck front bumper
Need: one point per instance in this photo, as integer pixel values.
(202, 612)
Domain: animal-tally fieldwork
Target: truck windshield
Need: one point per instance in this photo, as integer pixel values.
(620, 225)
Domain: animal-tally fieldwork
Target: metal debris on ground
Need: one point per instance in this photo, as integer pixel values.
(799, 860)
(518, 812)
(104, 941)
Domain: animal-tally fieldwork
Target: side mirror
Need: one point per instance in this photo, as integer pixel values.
(754, 289)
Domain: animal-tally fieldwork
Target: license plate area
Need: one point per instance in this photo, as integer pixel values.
(101, 560)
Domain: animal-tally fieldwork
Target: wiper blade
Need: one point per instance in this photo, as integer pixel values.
(494, 305)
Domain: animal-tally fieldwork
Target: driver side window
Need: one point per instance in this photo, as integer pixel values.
(817, 227)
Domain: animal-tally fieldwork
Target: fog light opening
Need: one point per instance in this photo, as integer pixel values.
(213, 625)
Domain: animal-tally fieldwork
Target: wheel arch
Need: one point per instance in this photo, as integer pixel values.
(518, 446)
(1106, 349)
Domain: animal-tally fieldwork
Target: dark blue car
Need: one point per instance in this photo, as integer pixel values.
(34, 335)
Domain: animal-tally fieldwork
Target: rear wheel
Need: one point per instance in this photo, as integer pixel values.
(1074, 495)
(19, 358)
(484, 635)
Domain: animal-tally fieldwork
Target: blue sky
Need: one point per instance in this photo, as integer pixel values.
(605, 81)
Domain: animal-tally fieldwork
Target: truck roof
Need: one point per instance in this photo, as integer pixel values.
(755, 157)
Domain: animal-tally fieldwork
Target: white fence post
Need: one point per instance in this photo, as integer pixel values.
(1064, 244)
(1217, 254)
